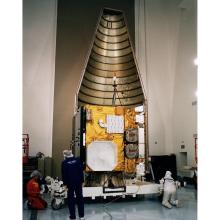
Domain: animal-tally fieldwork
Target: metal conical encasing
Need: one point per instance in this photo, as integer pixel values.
(111, 75)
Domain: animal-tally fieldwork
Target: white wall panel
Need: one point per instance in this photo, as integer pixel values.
(39, 44)
(165, 38)
(184, 113)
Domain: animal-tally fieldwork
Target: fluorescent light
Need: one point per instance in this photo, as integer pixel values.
(196, 62)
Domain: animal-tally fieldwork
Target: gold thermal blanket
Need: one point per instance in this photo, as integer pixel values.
(94, 132)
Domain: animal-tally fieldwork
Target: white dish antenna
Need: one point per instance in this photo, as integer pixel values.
(102, 155)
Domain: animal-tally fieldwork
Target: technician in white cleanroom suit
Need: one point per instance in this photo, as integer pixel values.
(169, 186)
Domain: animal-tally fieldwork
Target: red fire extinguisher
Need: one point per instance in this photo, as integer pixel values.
(25, 147)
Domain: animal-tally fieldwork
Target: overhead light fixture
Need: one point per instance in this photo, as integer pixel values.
(114, 79)
(196, 93)
(196, 62)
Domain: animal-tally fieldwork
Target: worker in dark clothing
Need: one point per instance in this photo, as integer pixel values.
(72, 175)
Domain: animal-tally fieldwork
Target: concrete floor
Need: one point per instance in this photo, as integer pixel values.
(145, 208)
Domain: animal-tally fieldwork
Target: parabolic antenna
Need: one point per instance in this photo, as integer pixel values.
(102, 155)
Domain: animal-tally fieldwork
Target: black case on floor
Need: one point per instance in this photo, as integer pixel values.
(163, 163)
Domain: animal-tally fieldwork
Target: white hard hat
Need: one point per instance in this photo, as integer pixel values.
(168, 175)
(36, 173)
(67, 153)
(48, 179)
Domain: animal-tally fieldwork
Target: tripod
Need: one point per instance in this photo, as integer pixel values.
(115, 92)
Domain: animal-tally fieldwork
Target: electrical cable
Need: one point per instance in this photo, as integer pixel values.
(118, 96)
(108, 177)
(105, 208)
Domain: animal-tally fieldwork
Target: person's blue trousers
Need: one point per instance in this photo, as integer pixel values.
(75, 196)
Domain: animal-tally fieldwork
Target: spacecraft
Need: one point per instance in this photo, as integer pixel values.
(110, 125)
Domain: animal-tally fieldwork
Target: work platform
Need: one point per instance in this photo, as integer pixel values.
(131, 189)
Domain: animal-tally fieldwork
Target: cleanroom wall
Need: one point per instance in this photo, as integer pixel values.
(157, 23)
(165, 40)
(165, 49)
(39, 43)
(185, 95)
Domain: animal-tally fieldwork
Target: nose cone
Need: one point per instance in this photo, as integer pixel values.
(111, 73)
